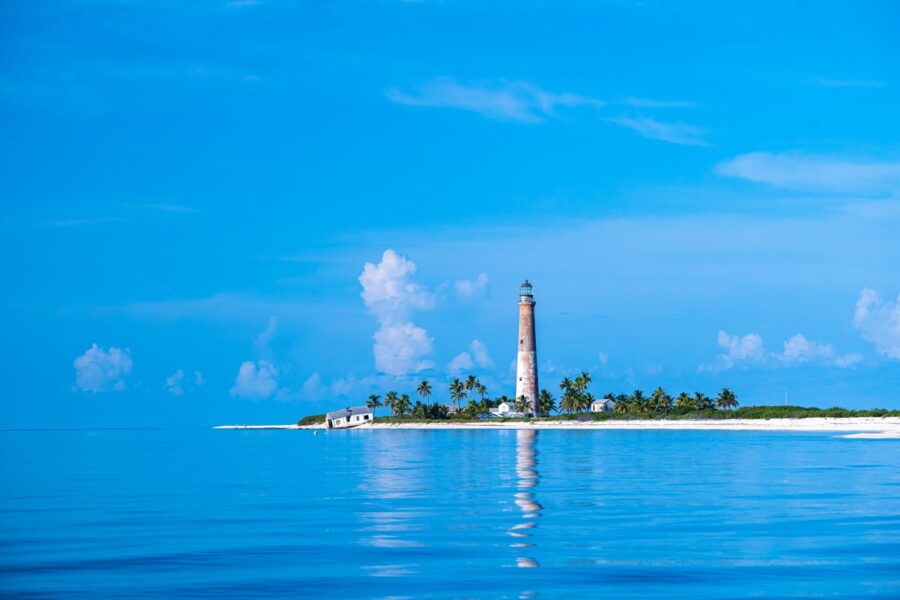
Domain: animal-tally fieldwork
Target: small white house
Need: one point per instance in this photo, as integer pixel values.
(348, 417)
(507, 410)
(603, 405)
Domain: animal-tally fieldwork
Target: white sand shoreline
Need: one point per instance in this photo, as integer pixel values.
(867, 427)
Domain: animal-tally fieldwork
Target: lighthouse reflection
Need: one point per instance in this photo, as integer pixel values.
(526, 482)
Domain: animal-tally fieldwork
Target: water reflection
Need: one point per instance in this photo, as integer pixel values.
(526, 482)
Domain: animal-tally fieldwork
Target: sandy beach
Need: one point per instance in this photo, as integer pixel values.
(859, 427)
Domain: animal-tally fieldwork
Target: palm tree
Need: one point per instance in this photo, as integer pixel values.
(569, 402)
(522, 404)
(622, 405)
(726, 399)
(546, 402)
(481, 390)
(565, 384)
(457, 392)
(684, 401)
(586, 380)
(471, 383)
(662, 402)
(638, 402)
(390, 402)
(373, 402)
(585, 401)
(424, 390)
(403, 404)
(702, 401)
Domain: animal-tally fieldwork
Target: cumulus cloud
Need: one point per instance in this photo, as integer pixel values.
(389, 293)
(798, 349)
(467, 289)
(502, 100)
(460, 362)
(98, 370)
(739, 349)
(878, 322)
(674, 133)
(174, 383)
(255, 381)
(815, 173)
(313, 388)
(178, 383)
(476, 354)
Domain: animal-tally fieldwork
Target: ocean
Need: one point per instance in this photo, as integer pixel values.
(457, 514)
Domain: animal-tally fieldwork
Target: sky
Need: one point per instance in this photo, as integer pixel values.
(248, 211)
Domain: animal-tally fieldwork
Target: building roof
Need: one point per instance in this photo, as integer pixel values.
(346, 412)
(603, 401)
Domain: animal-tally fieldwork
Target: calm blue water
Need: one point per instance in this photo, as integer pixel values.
(448, 513)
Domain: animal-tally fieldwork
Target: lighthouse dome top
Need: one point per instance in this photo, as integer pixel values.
(525, 289)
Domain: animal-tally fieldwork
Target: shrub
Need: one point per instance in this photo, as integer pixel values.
(311, 420)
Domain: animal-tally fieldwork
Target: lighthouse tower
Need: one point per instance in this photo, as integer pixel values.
(526, 363)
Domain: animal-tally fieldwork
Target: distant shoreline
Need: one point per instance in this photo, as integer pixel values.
(865, 427)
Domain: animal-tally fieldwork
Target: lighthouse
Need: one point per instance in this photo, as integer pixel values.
(526, 362)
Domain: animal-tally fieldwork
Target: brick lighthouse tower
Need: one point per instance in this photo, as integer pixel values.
(526, 362)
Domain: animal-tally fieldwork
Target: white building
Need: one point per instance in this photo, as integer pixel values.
(603, 405)
(507, 410)
(348, 417)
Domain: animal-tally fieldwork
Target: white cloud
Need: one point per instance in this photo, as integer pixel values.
(174, 383)
(674, 133)
(477, 354)
(401, 348)
(503, 100)
(480, 353)
(467, 289)
(878, 322)
(461, 362)
(177, 385)
(799, 349)
(815, 173)
(389, 293)
(740, 349)
(261, 343)
(831, 83)
(603, 357)
(650, 103)
(100, 371)
(312, 388)
(255, 380)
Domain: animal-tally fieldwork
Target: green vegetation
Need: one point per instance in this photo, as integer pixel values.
(469, 402)
(311, 420)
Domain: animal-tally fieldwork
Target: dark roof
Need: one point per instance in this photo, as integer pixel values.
(526, 284)
(346, 412)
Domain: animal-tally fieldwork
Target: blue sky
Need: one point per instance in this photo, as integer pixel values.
(703, 195)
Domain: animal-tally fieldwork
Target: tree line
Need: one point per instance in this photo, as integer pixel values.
(469, 399)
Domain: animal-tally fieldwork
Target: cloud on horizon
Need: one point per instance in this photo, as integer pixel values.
(98, 370)
(389, 293)
(467, 289)
(748, 351)
(477, 354)
(255, 381)
(878, 322)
